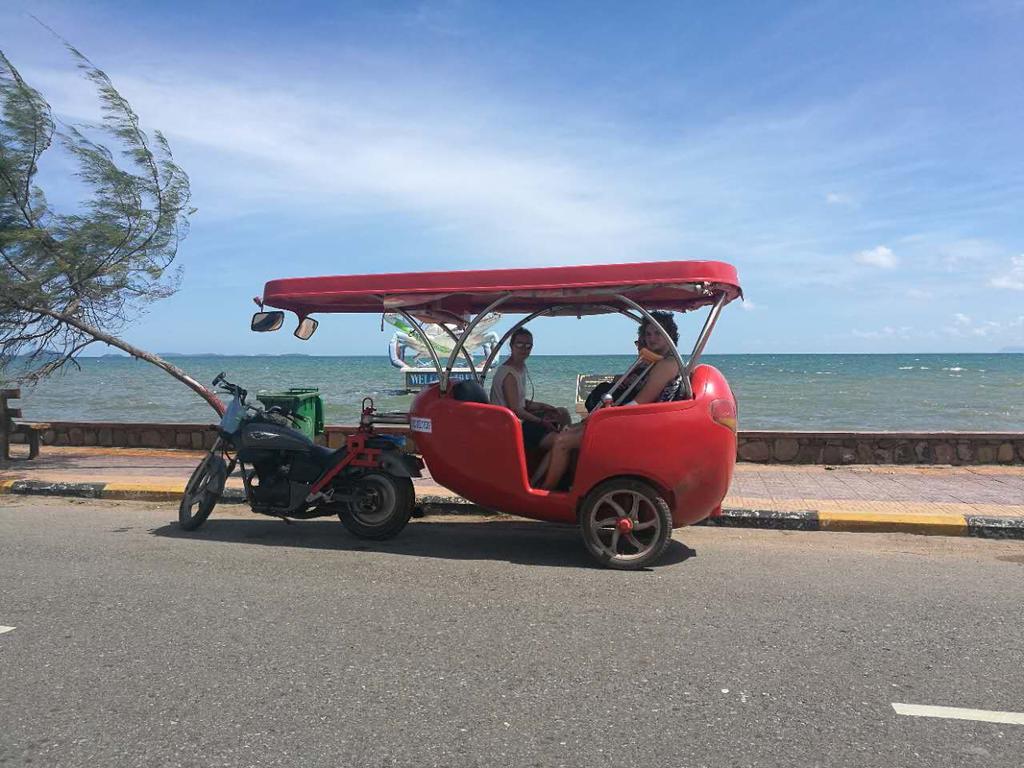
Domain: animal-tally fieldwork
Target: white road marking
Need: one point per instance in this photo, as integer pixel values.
(956, 713)
(5, 629)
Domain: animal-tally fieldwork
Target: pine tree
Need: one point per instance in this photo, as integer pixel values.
(69, 280)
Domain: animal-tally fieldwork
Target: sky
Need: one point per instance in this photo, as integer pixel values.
(861, 164)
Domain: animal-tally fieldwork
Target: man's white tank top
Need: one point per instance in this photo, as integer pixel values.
(497, 396)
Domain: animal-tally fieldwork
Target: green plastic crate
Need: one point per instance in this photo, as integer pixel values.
(302, 401)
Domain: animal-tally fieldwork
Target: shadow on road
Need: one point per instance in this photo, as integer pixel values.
(514, 541)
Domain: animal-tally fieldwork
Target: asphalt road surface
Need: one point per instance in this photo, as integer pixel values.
(494, 643)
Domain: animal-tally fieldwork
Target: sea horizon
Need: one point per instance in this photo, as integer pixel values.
(966, 391)
(1006, 351)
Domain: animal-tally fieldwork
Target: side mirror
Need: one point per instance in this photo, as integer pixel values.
(262, 322)
(307, 327)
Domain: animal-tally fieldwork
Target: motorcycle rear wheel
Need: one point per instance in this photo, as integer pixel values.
(381, 507)
(202, 492)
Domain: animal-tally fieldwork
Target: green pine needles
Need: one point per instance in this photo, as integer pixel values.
(70, 279)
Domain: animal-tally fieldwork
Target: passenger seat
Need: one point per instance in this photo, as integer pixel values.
(469, 391)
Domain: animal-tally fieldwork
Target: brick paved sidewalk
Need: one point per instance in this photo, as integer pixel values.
(861, 490)
(881, 489)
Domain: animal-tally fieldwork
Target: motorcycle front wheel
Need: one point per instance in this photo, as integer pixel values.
(202, 492)
(381, 506)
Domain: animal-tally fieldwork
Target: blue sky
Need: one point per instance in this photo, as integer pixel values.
(860, 163)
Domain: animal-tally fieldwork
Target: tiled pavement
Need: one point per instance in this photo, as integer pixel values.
(985, 490)
(994, 491)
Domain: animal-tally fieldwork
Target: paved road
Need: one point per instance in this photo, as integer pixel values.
(491, 643)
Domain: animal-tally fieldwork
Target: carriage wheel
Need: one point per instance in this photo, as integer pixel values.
(626, 524)
(381, 506)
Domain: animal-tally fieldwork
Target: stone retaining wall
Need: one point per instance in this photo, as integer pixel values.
(954, 448)
(114, 434)
(754, 446)
(129, 435)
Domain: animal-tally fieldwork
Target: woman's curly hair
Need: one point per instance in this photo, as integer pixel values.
(665, 320)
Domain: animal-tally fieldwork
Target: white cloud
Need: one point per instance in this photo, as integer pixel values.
(966, 327)
(1014, 278)
(837, 198)
(887, 332)
(879, 256)
(748, 305)
(496, 175)
(988, 328)
(920, 294)
(968, 253)
(493, 175)
(461, 167)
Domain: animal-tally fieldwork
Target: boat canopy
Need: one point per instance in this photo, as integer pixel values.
(674, 285)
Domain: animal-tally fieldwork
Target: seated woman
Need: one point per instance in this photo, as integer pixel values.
(661, 383)
(540, 420)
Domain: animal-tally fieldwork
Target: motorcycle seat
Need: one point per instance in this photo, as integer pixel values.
(326, 457)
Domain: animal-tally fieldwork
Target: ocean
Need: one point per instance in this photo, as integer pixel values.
(925, 392)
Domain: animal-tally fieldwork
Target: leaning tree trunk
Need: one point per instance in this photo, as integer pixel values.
(142, 354)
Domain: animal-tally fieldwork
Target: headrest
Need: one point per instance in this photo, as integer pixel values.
(469, 391)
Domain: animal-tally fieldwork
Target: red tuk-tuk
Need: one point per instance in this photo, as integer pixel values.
(642, 470)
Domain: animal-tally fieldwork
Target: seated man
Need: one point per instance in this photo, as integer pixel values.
(661, 383)
(540, 421)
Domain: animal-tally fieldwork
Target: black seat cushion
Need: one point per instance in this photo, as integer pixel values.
(594, 398)
(326, 457)
(469, 392)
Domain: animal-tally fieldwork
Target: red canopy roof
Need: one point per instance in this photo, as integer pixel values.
(677, 285)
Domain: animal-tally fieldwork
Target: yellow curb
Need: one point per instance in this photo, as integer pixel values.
(149, 491)
(938, 525)
(94, 450)
(860, 506)
(882, 469)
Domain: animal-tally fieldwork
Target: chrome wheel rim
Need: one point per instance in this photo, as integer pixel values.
(624, 525)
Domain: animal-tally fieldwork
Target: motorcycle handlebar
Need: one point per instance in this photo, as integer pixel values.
(228, 387)
(276, 410)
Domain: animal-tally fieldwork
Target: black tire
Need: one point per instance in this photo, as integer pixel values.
(382, 506)
(202, 492)
(631, 545)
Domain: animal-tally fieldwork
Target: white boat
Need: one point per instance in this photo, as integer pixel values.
(408, 352)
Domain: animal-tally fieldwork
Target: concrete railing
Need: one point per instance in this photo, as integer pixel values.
(768, 447)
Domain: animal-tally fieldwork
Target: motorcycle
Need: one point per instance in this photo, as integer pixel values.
(367, 482)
